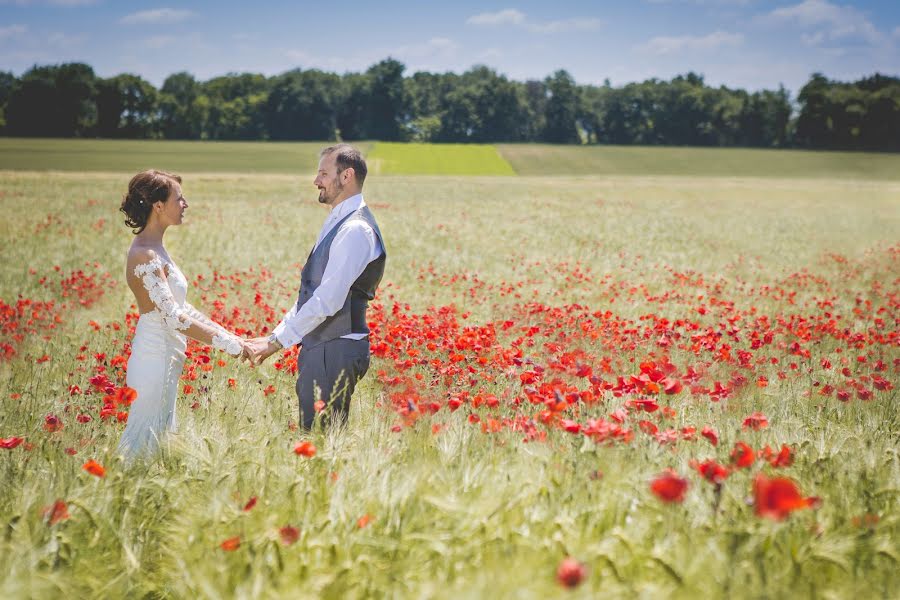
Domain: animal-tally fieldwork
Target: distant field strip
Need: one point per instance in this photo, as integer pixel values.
(437, 159)
(384, 158)
(178, 156)
(542, 159)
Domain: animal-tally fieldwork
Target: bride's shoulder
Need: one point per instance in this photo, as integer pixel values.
(143, 258)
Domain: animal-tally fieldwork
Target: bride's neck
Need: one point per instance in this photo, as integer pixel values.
(153, 233)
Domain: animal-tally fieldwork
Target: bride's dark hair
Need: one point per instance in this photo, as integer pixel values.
(144, 189)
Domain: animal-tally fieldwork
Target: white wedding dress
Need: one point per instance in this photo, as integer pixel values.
(157, 356)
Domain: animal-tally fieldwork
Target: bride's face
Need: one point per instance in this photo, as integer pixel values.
(172, 210)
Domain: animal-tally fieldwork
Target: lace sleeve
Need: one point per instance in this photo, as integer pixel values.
(222, 339)
(152, 275)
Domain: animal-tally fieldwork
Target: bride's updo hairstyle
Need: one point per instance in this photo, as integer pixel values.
(144, 189)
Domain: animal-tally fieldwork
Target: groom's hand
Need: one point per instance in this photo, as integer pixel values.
(260, 349)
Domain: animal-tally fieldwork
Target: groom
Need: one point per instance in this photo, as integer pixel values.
(337, 282)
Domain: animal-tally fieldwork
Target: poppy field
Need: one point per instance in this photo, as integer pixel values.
(623, 386)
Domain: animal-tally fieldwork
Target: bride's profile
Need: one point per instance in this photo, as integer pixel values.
(154, 202)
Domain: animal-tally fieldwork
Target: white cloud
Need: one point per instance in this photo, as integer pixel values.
(896, 32)
(674, 44)
(157, 15)
(576, 24)
(511, 16)
(12, 31)
(828, 22)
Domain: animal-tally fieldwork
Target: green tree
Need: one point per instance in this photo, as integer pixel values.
(562, 109)
(388, 104)
(7, 83)
(53, 101)
(180, 114)
(126, 107)
(302, 106)
(236, 106)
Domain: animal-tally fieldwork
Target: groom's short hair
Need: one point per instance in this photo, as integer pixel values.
(345, 157)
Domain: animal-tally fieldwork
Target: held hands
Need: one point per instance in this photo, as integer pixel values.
(257, 350)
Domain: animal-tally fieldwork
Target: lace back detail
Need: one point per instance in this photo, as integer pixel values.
(160, 294)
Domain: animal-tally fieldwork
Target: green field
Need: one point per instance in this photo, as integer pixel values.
(291, 158)
(536, 159)
(436, 159)
(499, 292)
(116, 156)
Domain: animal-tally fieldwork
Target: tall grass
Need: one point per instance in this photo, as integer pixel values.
(459, 513)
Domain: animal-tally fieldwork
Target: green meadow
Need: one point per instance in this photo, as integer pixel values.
(387, 158)
(607, 258)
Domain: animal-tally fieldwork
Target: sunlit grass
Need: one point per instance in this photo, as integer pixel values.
(387, 158)
(460, 513)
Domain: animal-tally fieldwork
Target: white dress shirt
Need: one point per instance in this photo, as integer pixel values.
(354, 246)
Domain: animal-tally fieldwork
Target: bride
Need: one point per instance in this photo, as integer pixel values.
(152, 204)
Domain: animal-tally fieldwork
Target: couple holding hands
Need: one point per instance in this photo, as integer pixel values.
(328, 320)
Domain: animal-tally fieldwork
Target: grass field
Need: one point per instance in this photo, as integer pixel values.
(118, 156)
(436, 159)
(292, 158)
(530, 339)
(537, 159)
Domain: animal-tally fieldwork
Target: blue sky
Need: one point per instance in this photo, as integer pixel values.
(752, 44)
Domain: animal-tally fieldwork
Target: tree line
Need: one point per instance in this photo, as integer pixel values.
(480, 105)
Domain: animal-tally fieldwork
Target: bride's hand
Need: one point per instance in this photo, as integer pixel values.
(247, 353)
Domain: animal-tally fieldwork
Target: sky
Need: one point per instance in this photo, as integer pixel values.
(751, 44)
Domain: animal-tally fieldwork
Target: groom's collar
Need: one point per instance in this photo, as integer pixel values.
(347, 206)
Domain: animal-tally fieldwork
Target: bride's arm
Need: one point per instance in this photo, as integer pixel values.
(149, 269)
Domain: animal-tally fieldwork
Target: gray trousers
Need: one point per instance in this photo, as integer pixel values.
(329, 372)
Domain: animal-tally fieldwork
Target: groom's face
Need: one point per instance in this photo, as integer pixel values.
(328, 180)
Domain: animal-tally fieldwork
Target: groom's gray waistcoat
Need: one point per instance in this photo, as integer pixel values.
(351, 318)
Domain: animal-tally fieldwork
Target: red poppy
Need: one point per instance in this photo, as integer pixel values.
(712, 471)
(289, 535)
(756, 421)
(784, 458)
(570, 572)
(743, 455)
(363, 521)
(56, 513)
(710, 434)
(52, 423)
(672, 386)
(250, 504)
(94, 468)
(125, 396)
(10, 443)
(778, 497)
(231, 544)
(669, 487)
(306, 449)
